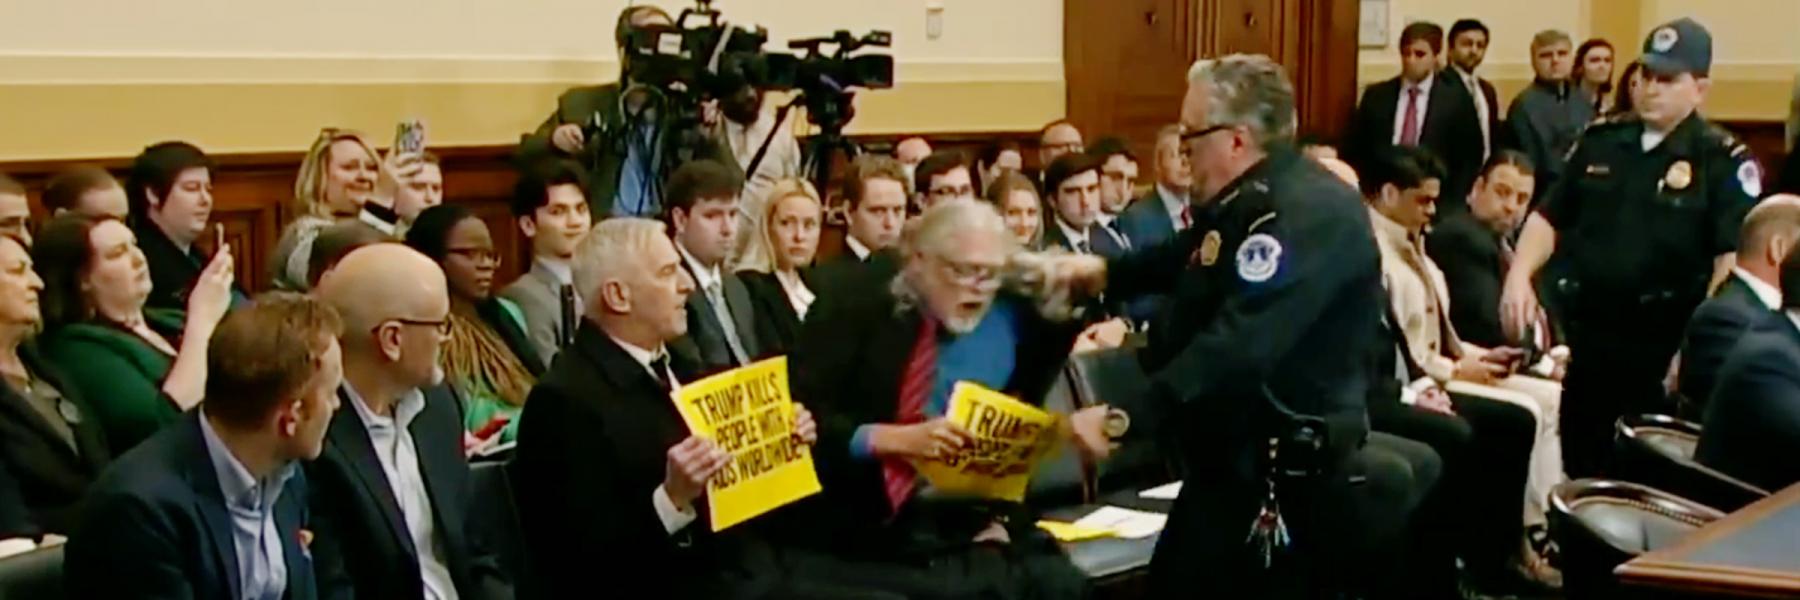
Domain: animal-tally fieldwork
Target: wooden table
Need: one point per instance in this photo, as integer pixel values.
(1751, 553)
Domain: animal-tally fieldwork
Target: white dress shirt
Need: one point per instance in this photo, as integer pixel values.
(1482, 110)
(1400, 106)
(1176, 205)
(673, 519)
(392, 439)
(856, 247)
(798, 295)
(1078, 240)
(704, 277)
(1768, 294)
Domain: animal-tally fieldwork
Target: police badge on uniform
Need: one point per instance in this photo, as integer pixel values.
(1679, 176)
(1209, 250)
(1664, 39)
(1258, 258)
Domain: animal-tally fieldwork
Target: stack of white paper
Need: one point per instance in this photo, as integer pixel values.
(1167, 491)
(1128, 523)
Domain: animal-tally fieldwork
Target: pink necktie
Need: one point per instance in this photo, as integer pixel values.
(1409, 128)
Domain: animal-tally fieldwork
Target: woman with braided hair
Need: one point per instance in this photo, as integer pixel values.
(489, 358)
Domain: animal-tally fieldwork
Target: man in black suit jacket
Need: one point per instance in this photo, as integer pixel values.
(1748, 297)
(1752, 425)
(1072, 187)
(1442, 114)
(723, 330)
(1474, 247)
(610, 481)
(874, 192)
(1468, 46)
(854, 362)
(182, 514)
(391, 489)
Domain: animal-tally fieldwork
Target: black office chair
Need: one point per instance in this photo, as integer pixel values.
(1599, 524)
(496, 519)
(1061, 479)
(1115, 377)
(34, 575)
(1658, 451)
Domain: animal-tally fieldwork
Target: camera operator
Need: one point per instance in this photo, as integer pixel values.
(621, 132)
(763, 145)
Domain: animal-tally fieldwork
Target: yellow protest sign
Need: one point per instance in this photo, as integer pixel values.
(747, 411)
(1011, 437)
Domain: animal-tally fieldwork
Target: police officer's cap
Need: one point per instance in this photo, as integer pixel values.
(1677, 47)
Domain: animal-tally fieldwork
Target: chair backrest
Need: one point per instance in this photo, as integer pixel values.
(496, 520)
(1658, 451)
(1599, 524)
(36, 575)
(1115, 377)
(1062, 479)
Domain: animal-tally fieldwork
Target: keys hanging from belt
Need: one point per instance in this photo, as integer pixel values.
(1269, 533)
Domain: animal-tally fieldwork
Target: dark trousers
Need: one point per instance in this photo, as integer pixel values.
(1477, 510)
(1340, 521)
(1617, 364)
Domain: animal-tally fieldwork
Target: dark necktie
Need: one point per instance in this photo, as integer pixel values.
(660, 365)
(915, 391)
(565, 334)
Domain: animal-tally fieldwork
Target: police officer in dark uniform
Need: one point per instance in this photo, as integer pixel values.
(1646, 221)
(1274, 293)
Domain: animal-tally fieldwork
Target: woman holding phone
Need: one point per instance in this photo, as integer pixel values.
(140, 368)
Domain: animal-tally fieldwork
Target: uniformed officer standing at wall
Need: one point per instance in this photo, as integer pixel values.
(1274, 292)
(1647, 219)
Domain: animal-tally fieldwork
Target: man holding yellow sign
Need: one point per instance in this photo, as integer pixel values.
(611, 481)
(879, 362)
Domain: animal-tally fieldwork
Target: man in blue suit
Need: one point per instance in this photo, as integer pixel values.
(1752, 426)
(1163, 212)
(1746, 298)
(214, 506)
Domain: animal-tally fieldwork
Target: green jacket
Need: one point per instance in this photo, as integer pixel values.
(119, 374)
(599, 109)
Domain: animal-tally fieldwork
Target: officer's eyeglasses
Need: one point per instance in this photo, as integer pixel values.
(1189, 136)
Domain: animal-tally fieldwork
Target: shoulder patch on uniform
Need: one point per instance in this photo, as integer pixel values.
(1749, 176)
(1258, 258)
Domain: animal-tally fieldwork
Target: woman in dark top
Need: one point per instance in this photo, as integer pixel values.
(49, 447)
(774, 264)
(489, 358)
(138, 368)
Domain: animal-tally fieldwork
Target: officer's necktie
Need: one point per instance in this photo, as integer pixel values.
(715, 296)
(1081, 247)
(1409, 126)
(1123, 243)
(565, 334)
(1187, 218)
(915, 391)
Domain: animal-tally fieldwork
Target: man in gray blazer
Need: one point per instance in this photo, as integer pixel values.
(723, 332)
(552, 211)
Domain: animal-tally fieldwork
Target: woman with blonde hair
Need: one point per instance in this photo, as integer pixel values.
(775, 262)
(337, 178)
(1016, 197)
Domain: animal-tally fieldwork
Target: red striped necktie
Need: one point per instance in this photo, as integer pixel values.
(915, 390)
